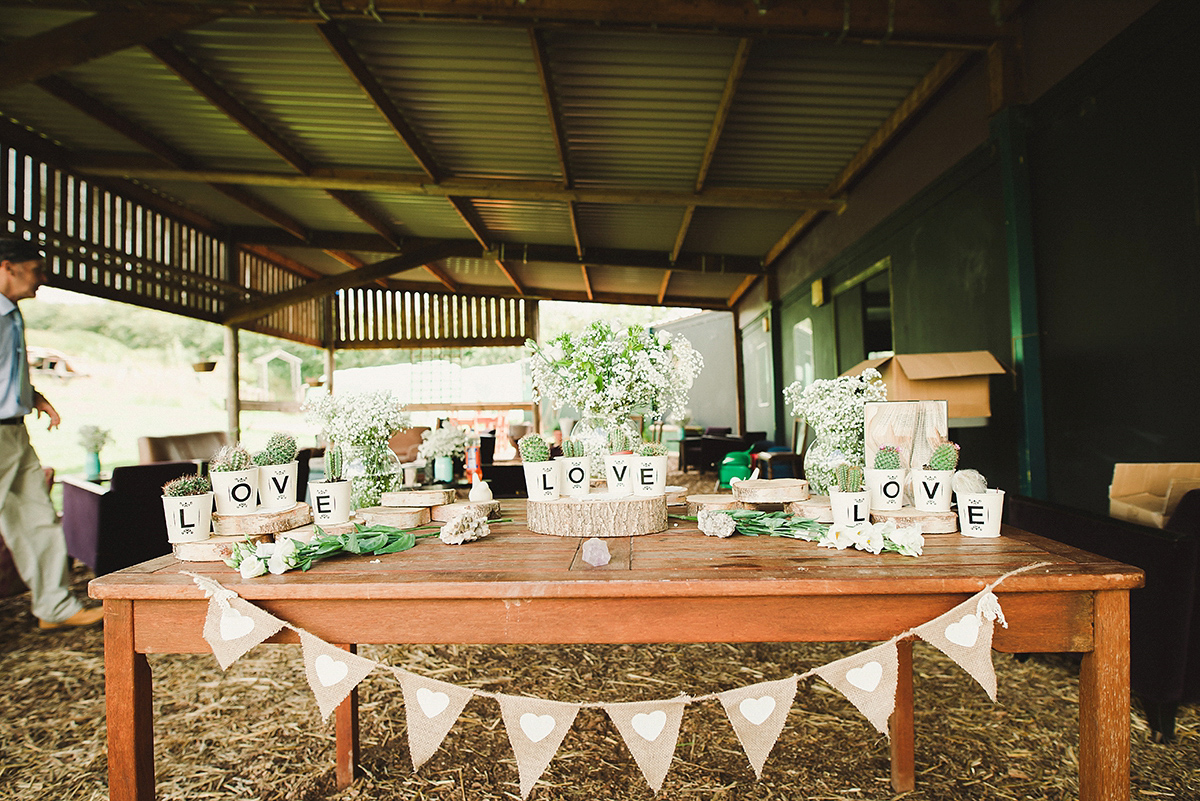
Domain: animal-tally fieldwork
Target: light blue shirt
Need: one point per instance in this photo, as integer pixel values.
(16, 393)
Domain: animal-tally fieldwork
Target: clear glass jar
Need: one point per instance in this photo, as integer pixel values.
(373, 469)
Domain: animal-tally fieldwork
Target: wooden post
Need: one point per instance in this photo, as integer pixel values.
(129, 708)
(346, 734)
(233, 400)
(901, 723)
(330, 342)
(1104, 702)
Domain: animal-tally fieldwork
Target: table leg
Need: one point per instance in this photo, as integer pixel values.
(1104, 702)
(346, 734)
(900, 725)
(128, 697)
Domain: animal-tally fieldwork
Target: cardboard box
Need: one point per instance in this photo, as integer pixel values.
(960, 379)
(1148, 493)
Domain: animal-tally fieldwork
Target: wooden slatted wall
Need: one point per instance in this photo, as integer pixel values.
(300, 322)
(386, 318)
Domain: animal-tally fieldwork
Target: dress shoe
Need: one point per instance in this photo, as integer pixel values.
(84, 617)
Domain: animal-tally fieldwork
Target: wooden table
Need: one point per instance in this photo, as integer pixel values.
(674, 587)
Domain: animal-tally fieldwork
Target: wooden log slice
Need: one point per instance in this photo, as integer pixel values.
(262, 522)
(398, 516)
(930, 522)
(213, 549)
(815, 508)
(426, 497)
(303, 534)
(598, 516)
(442, 514)
(771, 490)
(676, 495)
(700, 503)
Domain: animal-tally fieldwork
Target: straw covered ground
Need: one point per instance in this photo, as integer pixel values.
(254, 732)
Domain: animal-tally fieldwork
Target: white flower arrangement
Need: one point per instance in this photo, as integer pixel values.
(94, 438)
(447, 441)
(466, 527)
(876, 538)
(359, 418)
(834, 407)
(873, 537)
(611, 374)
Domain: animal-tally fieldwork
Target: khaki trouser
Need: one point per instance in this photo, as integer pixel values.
(30, 528)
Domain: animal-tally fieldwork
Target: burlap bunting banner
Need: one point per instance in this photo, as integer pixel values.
(431, 708)
(650, 730)
(965, 635)
(868, 680)
(758, 713)
(232, 627)
(332, 672)
(535, 729)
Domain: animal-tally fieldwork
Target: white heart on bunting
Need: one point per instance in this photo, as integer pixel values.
(649, 725)
(432, 702)
(865, 677)
(965, 632)
(235, 625)
(329, 670)
(537, 727)
(756, 710)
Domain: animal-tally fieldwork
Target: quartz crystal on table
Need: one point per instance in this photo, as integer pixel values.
(595, 552)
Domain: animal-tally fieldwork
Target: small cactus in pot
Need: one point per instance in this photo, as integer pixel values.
(334, 462)
(887, 458)
(651, 449)
(192, 484)
(573, 449)
(280, 449)
(533, 448)
(849, 477)
(944, 457)
(230, 458)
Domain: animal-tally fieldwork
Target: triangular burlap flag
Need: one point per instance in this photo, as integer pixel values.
(868, 680)
(431, 708)
(965, 635)
(758, 713)
(650, 730)
(535, 729)
(332, 672)
(233, 626)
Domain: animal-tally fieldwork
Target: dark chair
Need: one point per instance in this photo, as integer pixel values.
(782, 462)
(121, 524)
(692, 450)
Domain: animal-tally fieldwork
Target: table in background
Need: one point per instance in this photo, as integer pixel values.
(676, 587)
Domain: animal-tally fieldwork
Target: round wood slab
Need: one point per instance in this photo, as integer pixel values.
(598, 516)
(213, 549)
(771, 490)
(262, 522)
(426, 497)
(930, 522)
(303, 534)
(700, 503)
(398, 516)
(442, 514)
(815, 508)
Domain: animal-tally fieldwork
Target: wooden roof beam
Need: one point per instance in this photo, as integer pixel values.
(587, 282)
(542, 61)
(742, 289)
(574, 220)
(511, 275)
(916, 100)
(471, 219)
(86, 39)
(662, 289)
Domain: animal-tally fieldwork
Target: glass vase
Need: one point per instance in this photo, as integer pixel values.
(597, 433)
(825, 454)
(373, 469)
(443, 469)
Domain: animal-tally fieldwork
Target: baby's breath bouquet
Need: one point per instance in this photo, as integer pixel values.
(359, 425)
(448, 441)
(834, 408)
(94, 438)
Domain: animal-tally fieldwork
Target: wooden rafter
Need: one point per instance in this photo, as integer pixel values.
(552, 113)
(446, 279)
(741, 290)
(511, 275)
(471, 219)
(920, 96)
(344, 50)
(280, 260)
(681, 235)
(85, 39)
(575, 231)
(938, 23)
(587, 282)
(498, 189)
(662, 288)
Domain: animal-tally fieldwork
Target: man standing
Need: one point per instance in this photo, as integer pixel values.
(27, 517)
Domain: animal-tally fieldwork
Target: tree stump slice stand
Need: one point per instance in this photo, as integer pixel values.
(772, 490)
(817, 508)
(713, 502)
(398, 516)
(214, 549)
(302, 535)
(443, 514)
(262, 522)
(930, 522)
(427, 497)
(597, 516)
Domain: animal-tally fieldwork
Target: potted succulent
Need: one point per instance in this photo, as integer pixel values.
(277, 472)
(93, 439)
(885, 481)
(235, 480)
(331, 496)
(576, 469)
(932, 484)
(650, 469)
(618, 462)
(442, 446)
(188, 504)
(541, 474)
(851, 504)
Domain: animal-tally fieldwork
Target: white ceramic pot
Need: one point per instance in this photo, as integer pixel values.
(189, 517)
(932, 489)
(886, 488)
(542, 480)
(235, 491)
(277, 486)
(979, 513)
(330, 501)
(618, 472)
(850, 509)
(649, 475)
(576, 475)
